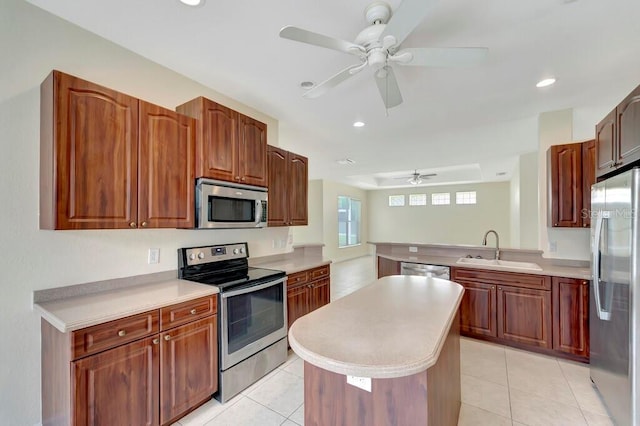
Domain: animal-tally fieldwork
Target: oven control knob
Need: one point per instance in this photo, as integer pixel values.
(236, 251)
(241, 249)
(192, 256)
(201, 255)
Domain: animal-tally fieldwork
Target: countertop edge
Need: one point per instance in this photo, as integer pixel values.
(378, 371)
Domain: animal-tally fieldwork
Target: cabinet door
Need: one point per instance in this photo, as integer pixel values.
(166, 168)
(606, 144)
(571, 316)
(566, 185)
(297, 302)
(94, 155)
(524, 316)
(118, 386)
(588, 179)
(252, 151)
(387, 267)
(319, 294)
(628, 124)
(478, 309)
(218, 144)
(298, 186)
(188, 367)
(278, 206)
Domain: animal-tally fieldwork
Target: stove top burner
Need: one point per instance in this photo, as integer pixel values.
(236, 278)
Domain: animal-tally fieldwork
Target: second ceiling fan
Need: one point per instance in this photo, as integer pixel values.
(379, 46)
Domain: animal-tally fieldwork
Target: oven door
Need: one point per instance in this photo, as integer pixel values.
(251, 319)
(224, 206)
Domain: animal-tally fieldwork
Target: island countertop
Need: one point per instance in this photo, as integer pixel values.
(394, 327)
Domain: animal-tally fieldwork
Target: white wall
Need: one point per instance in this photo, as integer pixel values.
(529, 208)
(314, 231)
(453, 224)
(556, 127)
(33, 43)
(514, 200)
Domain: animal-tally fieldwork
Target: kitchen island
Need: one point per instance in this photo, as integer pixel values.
(399, 337)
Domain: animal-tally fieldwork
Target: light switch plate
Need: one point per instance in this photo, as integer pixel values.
(154, 256)
(413, 249)
(363, 383)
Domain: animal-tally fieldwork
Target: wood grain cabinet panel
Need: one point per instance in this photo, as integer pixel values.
(117, 387)
(571, 316)
(387, 267)
(182, 313)
(618, 136)
(288, 188)
(478, 309)
(588, 179)
(108, 160)
(189, 367)
(524, 316)
(307, 291)
(229, 146)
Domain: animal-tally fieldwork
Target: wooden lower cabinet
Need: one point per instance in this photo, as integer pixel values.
(387, 267)
(571, 316)
(524, 316)
(478, 309)
(307, 291)
(152, 380)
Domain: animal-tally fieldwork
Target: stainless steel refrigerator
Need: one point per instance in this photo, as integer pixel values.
(614, 311)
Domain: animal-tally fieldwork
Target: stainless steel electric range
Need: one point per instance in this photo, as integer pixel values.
(252, 312)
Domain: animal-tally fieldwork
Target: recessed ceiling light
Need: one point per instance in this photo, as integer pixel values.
(546, 82)
(307, 84)
(192, 2)
(358, 124)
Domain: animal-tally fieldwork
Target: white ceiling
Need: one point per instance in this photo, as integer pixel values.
(461, 122)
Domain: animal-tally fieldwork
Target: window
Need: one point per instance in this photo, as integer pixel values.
(466, 197)
(396, 200)
(418, 199)
(349, 211)
(440, 198)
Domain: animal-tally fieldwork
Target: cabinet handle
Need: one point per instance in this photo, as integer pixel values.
(499, 288)
(122, 333)
(555, 224)
(132, 225)
(585, 282)
(242, 178)
(193, 312)
(156, 341)
(237, 177)
(167, 337)
(493, 287)
(144, 224)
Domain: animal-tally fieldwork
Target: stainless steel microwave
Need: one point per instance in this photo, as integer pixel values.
(225, 205)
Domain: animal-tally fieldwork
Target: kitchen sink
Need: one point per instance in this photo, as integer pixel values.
(499, 263)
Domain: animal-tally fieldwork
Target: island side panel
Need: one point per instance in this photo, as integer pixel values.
(429, 398)
(443, 381)
(329, 400)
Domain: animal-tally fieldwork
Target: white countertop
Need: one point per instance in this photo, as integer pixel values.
(293, 264)
(78, 312)
(394, 327)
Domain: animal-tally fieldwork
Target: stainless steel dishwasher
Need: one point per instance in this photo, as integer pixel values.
(436, 271)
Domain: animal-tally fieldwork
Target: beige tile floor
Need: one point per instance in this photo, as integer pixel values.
(500, 385)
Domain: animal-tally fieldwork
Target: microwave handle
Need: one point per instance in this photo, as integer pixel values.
(261, 213)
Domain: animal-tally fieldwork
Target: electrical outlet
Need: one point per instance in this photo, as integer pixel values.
(290, 239)
(553, 246)
(363, 383)
(413, 249)
(154, 256)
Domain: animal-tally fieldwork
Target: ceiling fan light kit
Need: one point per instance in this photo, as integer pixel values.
(379, 45)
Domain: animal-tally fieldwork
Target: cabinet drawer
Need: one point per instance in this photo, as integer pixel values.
(541, 282)
(317, 273)
(183, 313)
(297, 278)
(100, 337)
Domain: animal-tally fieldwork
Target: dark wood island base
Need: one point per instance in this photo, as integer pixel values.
(431, 397)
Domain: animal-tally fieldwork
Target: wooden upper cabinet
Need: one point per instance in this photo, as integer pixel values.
(229, 146)
(618, 136)
(288, 183)
(89, 155)
(166, 168)
(571, 169)
(108, 160)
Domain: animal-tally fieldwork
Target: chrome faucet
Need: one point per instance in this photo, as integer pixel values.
(484, 242)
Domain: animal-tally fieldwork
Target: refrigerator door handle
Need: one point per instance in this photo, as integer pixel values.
(602, 314)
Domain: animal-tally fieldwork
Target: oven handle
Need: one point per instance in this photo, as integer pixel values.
(251, 289)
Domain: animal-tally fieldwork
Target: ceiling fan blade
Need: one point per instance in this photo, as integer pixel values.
(322, 88)
(304, 36)
(406, 18)
(427, 176)
(441, 56)
(388, 87)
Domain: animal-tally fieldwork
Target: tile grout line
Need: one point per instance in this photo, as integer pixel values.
(572, 393)
(506, 367)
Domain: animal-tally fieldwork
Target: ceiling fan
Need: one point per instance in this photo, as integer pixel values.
(417, 178)
(379, 46)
